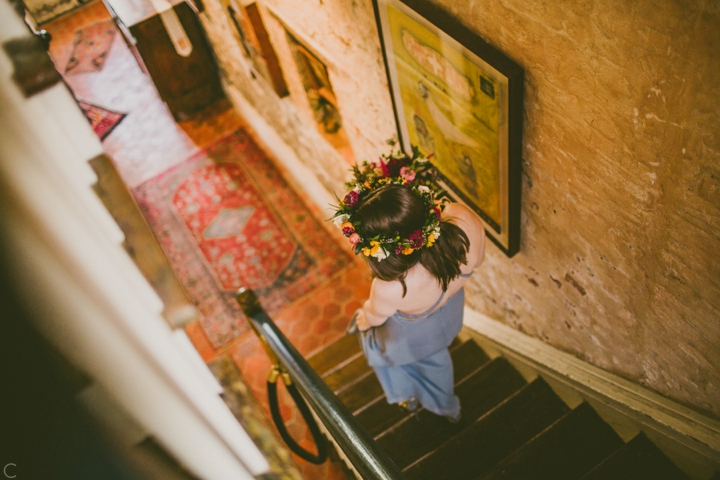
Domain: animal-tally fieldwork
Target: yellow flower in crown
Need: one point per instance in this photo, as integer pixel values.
(431, 239)
(372, 249)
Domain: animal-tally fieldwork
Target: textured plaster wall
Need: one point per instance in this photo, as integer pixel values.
(343, 36)
(620, 258)
(620, 249)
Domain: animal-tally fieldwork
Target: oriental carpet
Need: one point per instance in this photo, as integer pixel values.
(91, 46)
(226, 218)
(102, 120)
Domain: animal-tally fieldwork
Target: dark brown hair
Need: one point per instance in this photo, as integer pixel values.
(397, 210)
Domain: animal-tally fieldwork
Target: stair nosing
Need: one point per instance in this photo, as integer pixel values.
(353, 383)
(341, 365)
(368, 405)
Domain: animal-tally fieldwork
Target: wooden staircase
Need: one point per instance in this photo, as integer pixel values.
(510, 429)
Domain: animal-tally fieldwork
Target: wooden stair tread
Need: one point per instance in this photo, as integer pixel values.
(334, 354)
(478, 393)
(567, 450)
(354, 368)
(494, 436)
(639, 459)
(380, 416)
(467, 358)
(361, 392)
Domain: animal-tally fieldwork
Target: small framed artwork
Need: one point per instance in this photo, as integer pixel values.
(321, 97)
(461, 100)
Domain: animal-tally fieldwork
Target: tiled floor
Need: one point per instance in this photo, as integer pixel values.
(148, 142)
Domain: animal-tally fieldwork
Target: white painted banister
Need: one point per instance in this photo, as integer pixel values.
(87, 296)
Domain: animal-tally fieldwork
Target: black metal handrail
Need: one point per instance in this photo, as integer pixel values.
(320, 441)
(370, 461)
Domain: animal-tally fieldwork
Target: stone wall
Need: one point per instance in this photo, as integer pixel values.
(620, 249)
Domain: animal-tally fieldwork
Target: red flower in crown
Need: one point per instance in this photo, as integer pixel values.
(384, 168)
(394, 165)
(351, 198)
(417, 240)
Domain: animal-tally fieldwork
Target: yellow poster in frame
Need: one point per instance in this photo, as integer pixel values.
(452, 102)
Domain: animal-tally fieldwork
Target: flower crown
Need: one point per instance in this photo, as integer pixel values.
(394, 169)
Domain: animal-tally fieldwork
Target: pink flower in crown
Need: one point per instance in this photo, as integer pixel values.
(407, 173)
(351, 198)
(354, 239)
(417, 240)
(437, 212)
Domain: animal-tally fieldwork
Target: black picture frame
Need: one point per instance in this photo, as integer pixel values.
(460, 99)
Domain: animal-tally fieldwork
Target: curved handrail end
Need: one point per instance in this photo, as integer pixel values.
(248, 301)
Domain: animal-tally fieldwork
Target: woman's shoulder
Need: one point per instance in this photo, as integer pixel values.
(387, 291)
(464, 218)
(473, 226)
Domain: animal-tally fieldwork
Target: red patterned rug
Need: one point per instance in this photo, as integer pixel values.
(226, 218)
(91, 46)
(101, 119)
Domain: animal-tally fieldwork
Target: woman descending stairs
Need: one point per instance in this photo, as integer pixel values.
(510, 429)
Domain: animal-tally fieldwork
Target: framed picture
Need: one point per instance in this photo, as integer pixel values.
(461, 100)
(321, 97)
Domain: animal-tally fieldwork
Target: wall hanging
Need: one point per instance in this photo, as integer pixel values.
(460, 99)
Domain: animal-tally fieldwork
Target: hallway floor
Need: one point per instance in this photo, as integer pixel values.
(148, 142)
